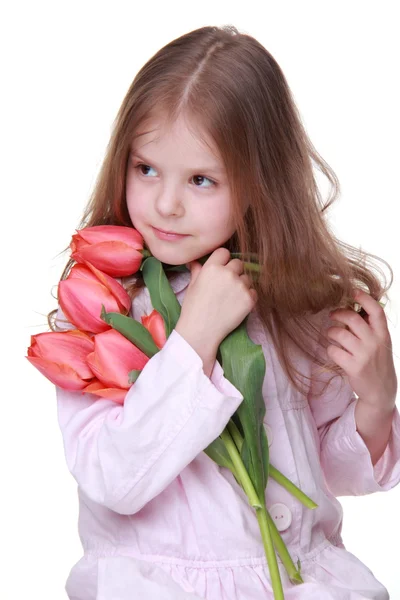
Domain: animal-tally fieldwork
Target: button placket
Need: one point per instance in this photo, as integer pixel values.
(281, 516)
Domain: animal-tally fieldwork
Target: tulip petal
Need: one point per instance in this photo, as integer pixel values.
(116, 259)
(154, 323)
(76, 245)
(115, 394)
(84, 291)
(114, 357)
(61, 375)
(68, 347)
(94, 385)
(82, 272)
(134, 331)
(81, 301)
(116, 289)
(106, 233)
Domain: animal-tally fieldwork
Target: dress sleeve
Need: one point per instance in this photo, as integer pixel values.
(345, 458)
(124, 456)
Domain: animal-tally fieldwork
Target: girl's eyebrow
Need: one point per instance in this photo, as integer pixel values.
(214, 168)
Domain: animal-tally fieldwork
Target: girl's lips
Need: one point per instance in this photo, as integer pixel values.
(168, 236)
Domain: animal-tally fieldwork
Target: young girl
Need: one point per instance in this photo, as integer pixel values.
(208, 156)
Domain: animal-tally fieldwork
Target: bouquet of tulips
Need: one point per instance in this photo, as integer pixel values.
(106, 350)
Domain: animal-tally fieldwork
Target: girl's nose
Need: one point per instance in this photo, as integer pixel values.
(169, 202)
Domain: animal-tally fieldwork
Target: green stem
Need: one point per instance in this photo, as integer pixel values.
(270, 553)
(240, 469)
(250, 266)
(145, 253)
(280, 546)
(291, 487)
(252, 255)
(273, 472)
(261, 513)
(235, 433)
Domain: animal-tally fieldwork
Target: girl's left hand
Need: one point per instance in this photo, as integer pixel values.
(367, 356)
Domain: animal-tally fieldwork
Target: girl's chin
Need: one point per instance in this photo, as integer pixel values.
(168, 258)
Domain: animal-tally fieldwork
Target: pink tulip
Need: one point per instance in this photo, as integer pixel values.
(111, 361)
(61, 357)
(114, 249)
(83, 292)
(154, 323)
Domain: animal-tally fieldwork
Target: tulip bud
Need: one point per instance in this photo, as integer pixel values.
(154, 323)
(114, 249)
(82, 294)
(111, 361)
(61, 357)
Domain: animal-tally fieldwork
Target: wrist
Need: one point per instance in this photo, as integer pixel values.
(199, 340)
(376, 410)
(374, 425)
(206, 349)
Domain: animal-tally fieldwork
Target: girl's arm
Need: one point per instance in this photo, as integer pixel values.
(124, 456)
(345, 457)
(375, 427)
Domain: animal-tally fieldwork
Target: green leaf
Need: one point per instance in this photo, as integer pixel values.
(265, 452)
(134, 331)
(133, 375)
(219, 454)
(235, 418)
(244, 366)
(162, 295)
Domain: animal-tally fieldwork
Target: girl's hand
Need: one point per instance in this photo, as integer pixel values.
(367, 356)
(217, 299)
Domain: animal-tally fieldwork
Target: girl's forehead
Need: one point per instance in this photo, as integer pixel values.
(156, 130)
(159, 125)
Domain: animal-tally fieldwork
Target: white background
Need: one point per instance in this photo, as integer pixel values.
(66, 67)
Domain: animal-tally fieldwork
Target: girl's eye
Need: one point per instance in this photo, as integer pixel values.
(195, 177)
(203, 177)
(139, 167)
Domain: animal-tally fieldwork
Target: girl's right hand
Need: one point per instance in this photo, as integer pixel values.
(218, 298)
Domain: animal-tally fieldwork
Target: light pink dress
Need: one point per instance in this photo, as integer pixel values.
(158, 519)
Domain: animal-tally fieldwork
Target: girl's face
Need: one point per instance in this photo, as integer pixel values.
(175, 183)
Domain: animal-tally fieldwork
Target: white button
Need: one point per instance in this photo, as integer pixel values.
(268, 431)
(281, 516)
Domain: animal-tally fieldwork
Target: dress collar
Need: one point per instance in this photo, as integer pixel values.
(180, 282)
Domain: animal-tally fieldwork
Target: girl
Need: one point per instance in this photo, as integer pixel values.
(208, 156)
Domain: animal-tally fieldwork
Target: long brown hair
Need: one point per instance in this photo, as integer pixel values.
(230, 84)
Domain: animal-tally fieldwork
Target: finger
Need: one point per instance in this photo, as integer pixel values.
(236, 265)
(253, 295)
(195, 268)
(246, 279)
(345, 338)
(373, 311)
(220, 256)
(358, 326)
(341, 357)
